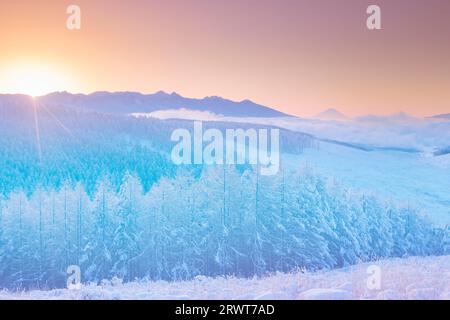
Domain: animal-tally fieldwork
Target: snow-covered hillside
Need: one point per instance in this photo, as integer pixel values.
(408, 278)
(411, 179)
(400, 157)
(99, 190)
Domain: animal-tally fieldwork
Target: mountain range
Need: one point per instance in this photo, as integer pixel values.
(133, 102)
(138, 103)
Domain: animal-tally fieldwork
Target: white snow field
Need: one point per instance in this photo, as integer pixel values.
(410, 179)
(414, 278)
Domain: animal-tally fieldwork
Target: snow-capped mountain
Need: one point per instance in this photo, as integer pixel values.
(133, 102)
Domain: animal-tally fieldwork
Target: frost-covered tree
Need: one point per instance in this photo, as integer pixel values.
(221, 221)
(125, 241)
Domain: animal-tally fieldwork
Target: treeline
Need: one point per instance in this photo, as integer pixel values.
(223, 222)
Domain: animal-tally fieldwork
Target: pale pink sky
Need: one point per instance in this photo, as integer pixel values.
(299, 56)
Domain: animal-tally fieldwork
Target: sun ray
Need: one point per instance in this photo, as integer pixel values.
(54, 117)
(37, 131)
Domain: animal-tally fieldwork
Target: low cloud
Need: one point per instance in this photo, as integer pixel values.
(181, 114)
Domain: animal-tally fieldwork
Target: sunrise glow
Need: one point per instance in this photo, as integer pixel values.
(32, 79)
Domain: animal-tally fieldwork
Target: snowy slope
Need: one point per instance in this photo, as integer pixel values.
(411, 179)
(408, 278)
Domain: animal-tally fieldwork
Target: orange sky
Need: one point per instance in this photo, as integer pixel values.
(299, 56)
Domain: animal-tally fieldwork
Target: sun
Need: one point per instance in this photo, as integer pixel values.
(32, 79)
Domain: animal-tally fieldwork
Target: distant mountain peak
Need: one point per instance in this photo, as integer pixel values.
(331, 114)
(442, 116)
(161, 93)
(213, 98)
(401, 115)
